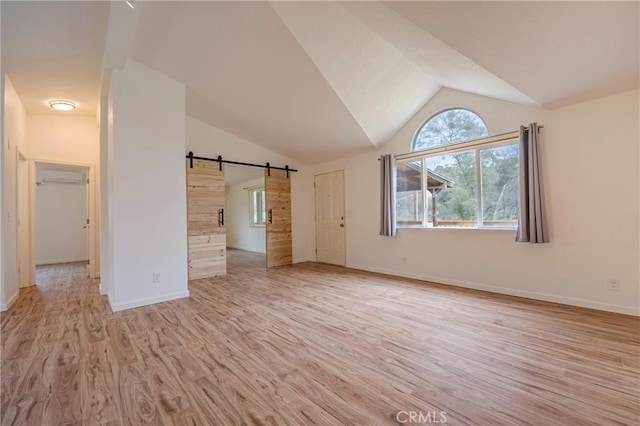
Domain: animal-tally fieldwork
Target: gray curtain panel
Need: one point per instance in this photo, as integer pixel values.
(388, 195)
(532, 222)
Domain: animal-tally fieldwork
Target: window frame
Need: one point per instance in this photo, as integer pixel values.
(479, 149)
(260, 190)
(471, 145)
(442, 111)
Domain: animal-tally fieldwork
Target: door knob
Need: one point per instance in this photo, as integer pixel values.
(342, 225)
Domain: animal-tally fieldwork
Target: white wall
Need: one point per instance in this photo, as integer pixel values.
(147, 188)
(14, 139)
(60, 217)
(3, 305)
(239, 234)
(208, 141)
(105, 123)
(69, 139)
(590, 154)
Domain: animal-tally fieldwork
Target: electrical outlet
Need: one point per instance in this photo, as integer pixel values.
(613, 284)
(156, 277)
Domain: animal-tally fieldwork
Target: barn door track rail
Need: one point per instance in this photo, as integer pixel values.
(220, 161)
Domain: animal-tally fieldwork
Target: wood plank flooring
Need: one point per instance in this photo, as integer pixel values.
(241, 261)
(312, 344)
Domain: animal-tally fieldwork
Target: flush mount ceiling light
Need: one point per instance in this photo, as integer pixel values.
(61, 105)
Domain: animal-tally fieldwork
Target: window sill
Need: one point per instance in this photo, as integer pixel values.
(477, 228)
(256, 226)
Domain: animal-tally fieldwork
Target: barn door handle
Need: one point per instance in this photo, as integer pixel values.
(270, 216)
(221, 217)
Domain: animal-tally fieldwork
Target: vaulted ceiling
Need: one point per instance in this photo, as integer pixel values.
(53, 50)
(322, 80)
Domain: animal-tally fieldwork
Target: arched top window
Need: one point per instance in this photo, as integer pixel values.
(447, 127)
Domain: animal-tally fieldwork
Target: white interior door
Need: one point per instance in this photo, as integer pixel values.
(330, 223)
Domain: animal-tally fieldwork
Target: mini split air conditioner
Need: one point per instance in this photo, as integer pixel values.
(58, 176)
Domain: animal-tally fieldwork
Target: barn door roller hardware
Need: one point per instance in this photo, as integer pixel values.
(267, 166)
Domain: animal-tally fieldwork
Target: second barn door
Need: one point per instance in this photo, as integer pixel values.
(205, 219)
(277, 185)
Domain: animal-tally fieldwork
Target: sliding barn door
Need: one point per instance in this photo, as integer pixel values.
(278, 203)
(205, 220)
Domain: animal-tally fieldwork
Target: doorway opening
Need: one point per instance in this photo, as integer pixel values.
(245, 218)
(61, 215)
(213, 217)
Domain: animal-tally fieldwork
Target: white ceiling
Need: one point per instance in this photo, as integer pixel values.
(247, 75)
(556, 52)
(53, 50)
(318, 81)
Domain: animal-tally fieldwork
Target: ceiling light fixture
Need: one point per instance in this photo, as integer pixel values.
(130, 3)
(61, 105)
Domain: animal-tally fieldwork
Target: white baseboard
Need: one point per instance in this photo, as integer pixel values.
(303, 259)
(103, 291)
(52, 262)
(10, 302)
(508, 291)
(115, 307)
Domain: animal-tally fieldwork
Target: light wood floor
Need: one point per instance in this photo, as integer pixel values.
(312, 344)
(240, 261)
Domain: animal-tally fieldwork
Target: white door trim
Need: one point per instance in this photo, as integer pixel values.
(23, 221)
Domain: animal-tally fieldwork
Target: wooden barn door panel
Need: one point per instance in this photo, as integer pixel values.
(278, 203)
(205, 220)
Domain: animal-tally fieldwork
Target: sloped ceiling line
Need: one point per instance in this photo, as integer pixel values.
(377, 83)
(317, 81)
(449, 67)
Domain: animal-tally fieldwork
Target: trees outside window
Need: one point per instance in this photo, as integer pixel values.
(465, 188)
(499, 176)
(448, 127)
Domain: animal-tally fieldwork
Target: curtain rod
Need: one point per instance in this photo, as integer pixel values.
(500, 137)
(219, 159)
